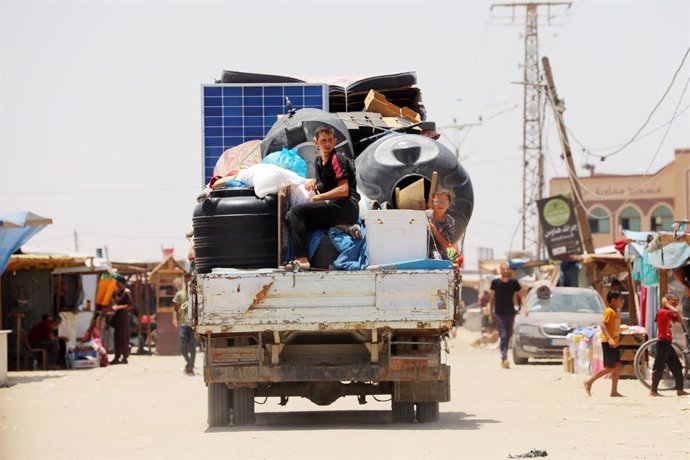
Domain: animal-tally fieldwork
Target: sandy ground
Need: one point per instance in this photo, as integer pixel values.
(150, 409)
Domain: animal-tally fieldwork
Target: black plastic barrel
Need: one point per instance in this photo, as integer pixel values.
(292, 130)
(398, 160)
(233, 228)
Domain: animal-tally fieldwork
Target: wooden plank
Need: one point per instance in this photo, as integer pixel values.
(432, 189)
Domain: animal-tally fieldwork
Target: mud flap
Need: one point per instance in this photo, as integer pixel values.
(432, 391)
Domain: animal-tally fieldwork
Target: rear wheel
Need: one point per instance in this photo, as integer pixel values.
(243, 406)
(518, 359)
(218, 405)
(427, 412)
(644, 366)
(402, 412)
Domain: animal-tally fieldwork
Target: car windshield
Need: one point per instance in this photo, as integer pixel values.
(560, 302)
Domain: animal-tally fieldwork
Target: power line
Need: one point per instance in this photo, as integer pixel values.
(589, 151)
(649, 117)
(668, 128)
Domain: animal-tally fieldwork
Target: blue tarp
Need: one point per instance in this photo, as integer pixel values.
(353, 253)
(667, 255)
(15, 230)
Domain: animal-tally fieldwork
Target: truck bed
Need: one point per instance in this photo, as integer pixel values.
(233, 301)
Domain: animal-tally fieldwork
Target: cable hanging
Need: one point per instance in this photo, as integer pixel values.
(649, 117)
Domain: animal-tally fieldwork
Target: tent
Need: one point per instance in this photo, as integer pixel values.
(15, 230)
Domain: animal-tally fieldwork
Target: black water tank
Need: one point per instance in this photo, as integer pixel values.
(398, 160)
(235, 229)
(293, 130)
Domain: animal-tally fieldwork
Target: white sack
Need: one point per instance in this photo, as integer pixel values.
(267, 178)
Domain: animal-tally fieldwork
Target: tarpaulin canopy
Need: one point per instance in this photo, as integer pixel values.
(664, 249)
(15, 230)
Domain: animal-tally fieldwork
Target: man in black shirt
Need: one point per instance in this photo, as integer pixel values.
(336, 202)
(122, 304)
(505, 294)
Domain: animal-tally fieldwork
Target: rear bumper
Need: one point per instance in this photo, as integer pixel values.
(250, 375)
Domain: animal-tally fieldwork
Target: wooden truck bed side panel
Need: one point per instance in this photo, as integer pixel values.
(236, 301)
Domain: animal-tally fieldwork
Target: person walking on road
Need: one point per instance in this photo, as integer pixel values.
(181, 319)
(610, 338)
(122, 304)
(506, 292)
(667, 314)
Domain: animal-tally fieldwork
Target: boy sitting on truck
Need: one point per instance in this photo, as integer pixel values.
(336, 202)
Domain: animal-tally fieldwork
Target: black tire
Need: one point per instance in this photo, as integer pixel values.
(218, 405)
(243, 406)
(518, 359)
(402, 412)
(427, 412)
(644, 362)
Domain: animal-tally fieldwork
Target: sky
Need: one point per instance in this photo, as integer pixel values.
(100, 104)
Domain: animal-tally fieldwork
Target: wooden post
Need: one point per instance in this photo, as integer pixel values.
(432, 188)
(578, 202)
(632, 298)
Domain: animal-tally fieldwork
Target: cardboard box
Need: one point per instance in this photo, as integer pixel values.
(632, 339)
(628, 355)
(376, 102)
(84, 359)
(628, 371)
(88, 363)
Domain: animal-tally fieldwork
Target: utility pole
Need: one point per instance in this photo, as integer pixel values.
(455, 128)
(76, 241)
(558, 109)
(533, 156)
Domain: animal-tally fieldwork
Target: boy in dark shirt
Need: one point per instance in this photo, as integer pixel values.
(665, 355)
(336, 202)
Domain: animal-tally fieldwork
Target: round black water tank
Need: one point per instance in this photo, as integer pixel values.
(235, 229)
(293, 130)
(398, 160)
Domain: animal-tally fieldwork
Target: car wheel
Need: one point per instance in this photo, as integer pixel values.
(518, 359)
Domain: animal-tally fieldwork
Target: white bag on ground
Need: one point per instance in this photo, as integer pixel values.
(267, 178)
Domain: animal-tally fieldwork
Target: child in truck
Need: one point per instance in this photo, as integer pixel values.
(441, 224)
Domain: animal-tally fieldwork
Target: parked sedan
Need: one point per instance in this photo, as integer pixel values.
(553, 313)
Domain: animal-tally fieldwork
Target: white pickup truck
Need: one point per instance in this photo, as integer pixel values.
(323, 335)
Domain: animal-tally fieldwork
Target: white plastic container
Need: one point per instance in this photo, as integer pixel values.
(396, 235)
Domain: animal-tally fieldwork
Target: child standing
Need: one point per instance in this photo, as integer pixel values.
(610, 335)
(441, 224)
(666, 315)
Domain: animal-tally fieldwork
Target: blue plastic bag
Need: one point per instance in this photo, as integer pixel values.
(288, 159)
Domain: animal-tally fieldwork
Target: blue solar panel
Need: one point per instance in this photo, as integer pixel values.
(237, 113)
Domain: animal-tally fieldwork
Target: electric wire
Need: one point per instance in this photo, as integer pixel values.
(651, 114)
(590, 151)
(573, 176)
(663, 138)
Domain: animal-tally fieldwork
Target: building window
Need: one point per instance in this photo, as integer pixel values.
(599, 221)
(629, 219)
(662, 219)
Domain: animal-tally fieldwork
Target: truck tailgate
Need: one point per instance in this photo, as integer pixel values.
(247, 301)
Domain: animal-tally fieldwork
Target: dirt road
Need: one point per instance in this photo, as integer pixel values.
(150, 409)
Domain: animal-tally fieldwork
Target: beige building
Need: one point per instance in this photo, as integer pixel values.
(633, 202)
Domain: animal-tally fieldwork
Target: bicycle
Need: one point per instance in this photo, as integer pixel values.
(644, 362)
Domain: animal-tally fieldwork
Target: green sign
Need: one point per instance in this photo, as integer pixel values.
(556, 212)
